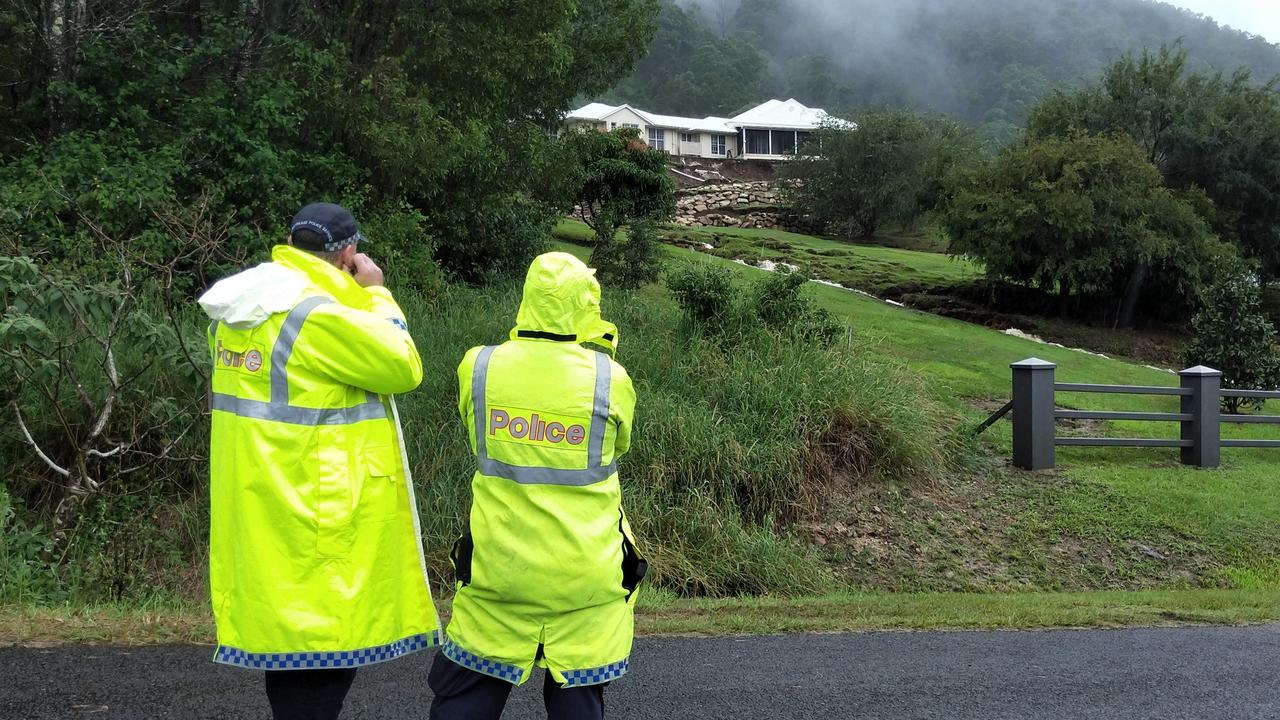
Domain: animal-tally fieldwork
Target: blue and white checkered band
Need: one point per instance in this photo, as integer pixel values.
(597, 676)
(337, 245)
(493, 668)
(228, 655)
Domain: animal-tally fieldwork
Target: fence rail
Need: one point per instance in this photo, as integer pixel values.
(1200, 418)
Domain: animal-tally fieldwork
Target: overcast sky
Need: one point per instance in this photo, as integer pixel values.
(1260, 17)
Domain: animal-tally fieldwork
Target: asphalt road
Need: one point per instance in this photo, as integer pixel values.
(1196, 673)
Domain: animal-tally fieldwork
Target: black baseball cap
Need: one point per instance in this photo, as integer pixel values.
(332, 227)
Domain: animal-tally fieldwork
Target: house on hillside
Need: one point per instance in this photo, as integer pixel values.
(769, 131)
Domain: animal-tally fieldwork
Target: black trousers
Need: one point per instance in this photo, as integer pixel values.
(462, 694)
(308, 694)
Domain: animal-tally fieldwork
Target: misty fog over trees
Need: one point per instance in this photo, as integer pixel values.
(985, 62)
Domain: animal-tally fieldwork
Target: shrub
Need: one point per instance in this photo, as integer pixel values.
(1233, 334)
(24, 576)
(704, 292)
(494, 240)
(711, 301)
(401, 244)
(779, 301)
(630, 263)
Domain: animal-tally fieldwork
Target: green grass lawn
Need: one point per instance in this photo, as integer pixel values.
(867, 267)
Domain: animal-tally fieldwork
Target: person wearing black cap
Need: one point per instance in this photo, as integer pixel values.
(316, 561)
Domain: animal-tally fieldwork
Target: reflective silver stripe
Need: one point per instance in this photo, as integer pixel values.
(294, 415)
(600, 411)
(537, 475)
(479, 376)
(278, 408)
(526, 475)
(284, 346)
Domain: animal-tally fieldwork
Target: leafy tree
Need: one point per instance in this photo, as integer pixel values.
(630, 263)
(888, 170)
(618, 180)
(1203, 131)
(1077, 215)
(259, 107)
(58, 333)
(1233, 334)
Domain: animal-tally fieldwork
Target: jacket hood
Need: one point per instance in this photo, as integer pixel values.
(245, 300)
(562, 298)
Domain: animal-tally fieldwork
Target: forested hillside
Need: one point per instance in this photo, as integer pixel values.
(983, 61)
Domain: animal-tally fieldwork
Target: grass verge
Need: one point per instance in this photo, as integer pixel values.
(662, 614)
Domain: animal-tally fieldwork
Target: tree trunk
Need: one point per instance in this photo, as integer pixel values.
(55, 18)
(1132, 293)
(1064, 297)
(249, 14)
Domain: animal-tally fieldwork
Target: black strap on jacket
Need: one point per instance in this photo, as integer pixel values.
(542, 335)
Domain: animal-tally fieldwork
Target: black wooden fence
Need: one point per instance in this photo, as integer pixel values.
(1035, 415)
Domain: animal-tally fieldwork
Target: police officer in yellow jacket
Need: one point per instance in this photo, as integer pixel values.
(548, 571)
(316, 562)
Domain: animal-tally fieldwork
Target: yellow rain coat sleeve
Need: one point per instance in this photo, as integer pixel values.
(622, 410)
(369, 349)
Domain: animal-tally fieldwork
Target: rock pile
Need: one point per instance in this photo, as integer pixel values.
(747, 204)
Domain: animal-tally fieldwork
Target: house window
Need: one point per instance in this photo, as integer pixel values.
(757, 142)
(688, 137)
(717, 145)
(803, 138)
(657, 138)
(631, 125)
(613, 126)
(784, 142)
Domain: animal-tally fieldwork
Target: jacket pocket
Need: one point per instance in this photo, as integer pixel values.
(634, 567)
(382, 461)
(335, 500)
(460, 556)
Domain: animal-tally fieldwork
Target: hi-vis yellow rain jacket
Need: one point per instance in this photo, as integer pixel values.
(315, 552)
(549, 569)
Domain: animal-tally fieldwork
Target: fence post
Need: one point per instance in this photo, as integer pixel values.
(1204, 405)
(1033, 406)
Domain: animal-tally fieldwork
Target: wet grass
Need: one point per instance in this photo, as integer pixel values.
(663, 614)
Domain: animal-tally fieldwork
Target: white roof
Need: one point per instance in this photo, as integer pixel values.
(790, 114)
(594, 111)
(707, 124)
(597, 112)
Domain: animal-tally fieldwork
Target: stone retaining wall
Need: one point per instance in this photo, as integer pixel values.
(713, 206)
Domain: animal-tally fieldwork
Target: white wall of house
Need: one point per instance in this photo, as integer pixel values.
(660, 138)
(624, 117)
(699, 143)
(706, 143)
